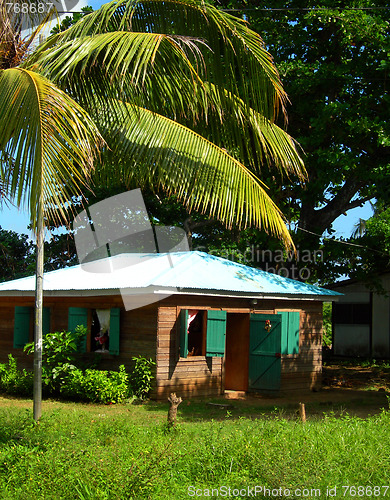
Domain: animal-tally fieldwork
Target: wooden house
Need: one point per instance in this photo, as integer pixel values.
(211, 325)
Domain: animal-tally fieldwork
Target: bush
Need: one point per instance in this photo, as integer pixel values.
(327, 319)
(142, 376)
(58, 355)
(97, 386)
(14, 381)
(61, 377)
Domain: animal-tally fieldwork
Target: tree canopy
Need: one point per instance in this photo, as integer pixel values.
(334, 65)
(333, 59)
(16, 255)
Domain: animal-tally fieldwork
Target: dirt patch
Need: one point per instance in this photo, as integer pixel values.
(374, 378)
(337, 401)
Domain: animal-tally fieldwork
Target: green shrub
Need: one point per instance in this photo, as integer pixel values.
(141, 377)
(72, 383)
(58, 356)
(14, 381)
(99, 386)
(106, 386)
(61, 377)
(327, 322)
(66, 380)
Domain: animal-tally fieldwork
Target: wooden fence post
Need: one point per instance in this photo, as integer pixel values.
(302, 412)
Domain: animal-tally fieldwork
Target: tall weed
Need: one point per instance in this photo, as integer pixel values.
(14, 381)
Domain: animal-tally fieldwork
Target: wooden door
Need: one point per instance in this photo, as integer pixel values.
(237, 352)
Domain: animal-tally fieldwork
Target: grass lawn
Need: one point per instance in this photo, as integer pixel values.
(102, 452)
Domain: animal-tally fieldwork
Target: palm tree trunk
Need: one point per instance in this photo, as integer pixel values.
(37, 397)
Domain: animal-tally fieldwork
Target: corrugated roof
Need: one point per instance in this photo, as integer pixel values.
(195, 272)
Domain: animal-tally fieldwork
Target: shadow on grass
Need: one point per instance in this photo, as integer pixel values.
(338, 402)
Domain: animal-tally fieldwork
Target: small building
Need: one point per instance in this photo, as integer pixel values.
(361, 319)
(210, 324)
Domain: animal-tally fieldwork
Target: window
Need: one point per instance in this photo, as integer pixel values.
(196, 333)
(290, 332)
(202, 333)
(100, 330)
(103, 335)
(352, 314)
(23, 325)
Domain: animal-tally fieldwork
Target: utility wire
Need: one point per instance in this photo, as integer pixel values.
(270, 9)
(343, 242)
(301, 9)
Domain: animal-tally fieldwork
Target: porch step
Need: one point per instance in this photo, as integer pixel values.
(235, 394)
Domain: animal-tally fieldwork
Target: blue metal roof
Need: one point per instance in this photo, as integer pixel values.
(180, 272)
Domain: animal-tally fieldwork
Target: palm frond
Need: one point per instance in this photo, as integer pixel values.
(189, 62)
(130, 66)
(52, 142)
(156, 151)
(256, 139)
(276, 147)
(151, 65)
(235, 57)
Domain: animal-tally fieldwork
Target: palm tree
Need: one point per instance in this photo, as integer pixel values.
(186, 96)
(360, 227)
(47, 147)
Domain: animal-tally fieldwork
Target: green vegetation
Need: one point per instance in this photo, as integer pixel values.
(156, 65)
(58, 355)
(69, 382)
(327, 318)
(16, 255)
(334, 64)
(99, 386)
(123, 452)
(14, 381)
(142, 376)
(63, 377)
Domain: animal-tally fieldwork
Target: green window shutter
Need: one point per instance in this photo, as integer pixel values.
(21, 326)
(46, 321)
(78, 316)
(284, 343)
(183, 320)
(216, 332)
(293, 332)
(114, 330)
(290, 332)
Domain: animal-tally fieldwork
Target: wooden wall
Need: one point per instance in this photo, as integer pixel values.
(196, 375)
(192, 376)
(199, 376)
(303, 371)
(137, 328)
